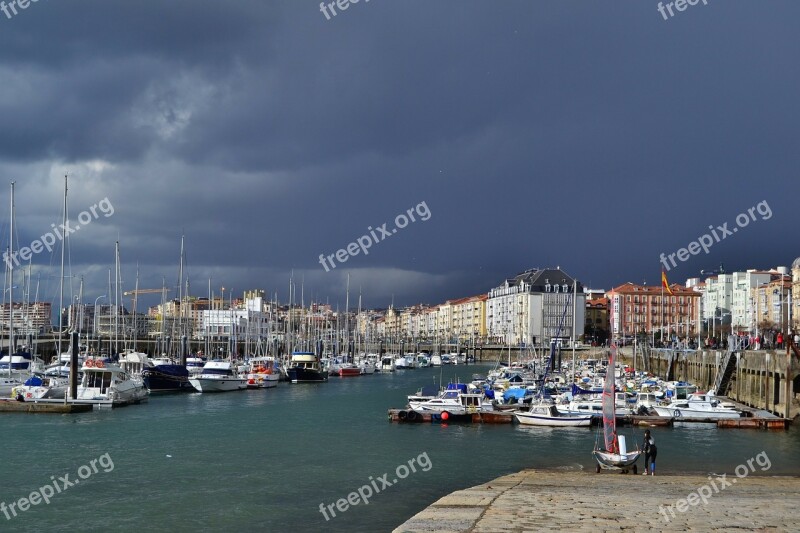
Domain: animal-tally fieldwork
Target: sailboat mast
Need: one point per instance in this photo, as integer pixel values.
(11, 285)
(61, 278)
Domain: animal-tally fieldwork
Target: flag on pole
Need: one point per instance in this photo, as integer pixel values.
(664, 282)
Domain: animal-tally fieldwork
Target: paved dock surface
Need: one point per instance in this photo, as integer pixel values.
(535, 500)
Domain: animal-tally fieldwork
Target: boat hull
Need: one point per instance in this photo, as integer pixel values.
(304, 375)
(212, 384)
(167, 378)
(529, 419)
(692, 413)
(262, 381)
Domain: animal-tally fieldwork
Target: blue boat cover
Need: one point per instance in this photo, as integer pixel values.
(33, 382)
(457, 386)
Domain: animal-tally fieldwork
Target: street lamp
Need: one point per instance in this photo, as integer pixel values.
(95, 321)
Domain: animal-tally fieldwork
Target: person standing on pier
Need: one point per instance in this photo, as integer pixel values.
(650, 450)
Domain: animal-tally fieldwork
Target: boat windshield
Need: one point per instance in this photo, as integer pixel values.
(217, 371)
(99, 380)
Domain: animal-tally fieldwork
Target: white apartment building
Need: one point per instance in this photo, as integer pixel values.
(530, 307)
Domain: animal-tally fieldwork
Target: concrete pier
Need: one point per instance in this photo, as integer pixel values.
(535, 500)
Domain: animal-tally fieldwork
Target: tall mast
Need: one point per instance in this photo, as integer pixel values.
(61, 278)
(135, 297)
(11, 284)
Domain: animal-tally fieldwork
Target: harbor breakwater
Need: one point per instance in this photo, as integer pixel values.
(763, 379)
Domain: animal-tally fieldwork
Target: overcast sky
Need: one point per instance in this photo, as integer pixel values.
(588, 135)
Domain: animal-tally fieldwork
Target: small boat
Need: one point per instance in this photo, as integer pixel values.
(38, 388)
(263, 373)
(195, 365)
(614, 454)
(698, 405)
(367, 367)
(436, 360)
(349, 370)
(218, 376)
(546, 414)
(386, 364)
(106, 383)
(454, 400)
(423, 361)
(401, 363)
(304, 367)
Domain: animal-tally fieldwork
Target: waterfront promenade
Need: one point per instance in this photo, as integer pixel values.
(536, 500)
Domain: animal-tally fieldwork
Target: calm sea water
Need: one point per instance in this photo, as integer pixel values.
(265, 460)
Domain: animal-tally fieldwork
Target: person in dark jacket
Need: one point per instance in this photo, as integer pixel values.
(650, 451)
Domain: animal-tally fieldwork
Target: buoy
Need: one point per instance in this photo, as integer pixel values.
(445, 415)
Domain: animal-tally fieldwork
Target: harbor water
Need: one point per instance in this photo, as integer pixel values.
(264, 460)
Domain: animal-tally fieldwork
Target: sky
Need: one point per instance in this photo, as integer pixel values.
(594, 136)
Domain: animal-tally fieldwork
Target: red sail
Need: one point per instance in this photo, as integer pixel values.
(609, 412)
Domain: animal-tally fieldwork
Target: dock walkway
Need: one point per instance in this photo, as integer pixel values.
(535, 500)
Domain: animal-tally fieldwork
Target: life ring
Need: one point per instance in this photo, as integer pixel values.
(89, 363)
(402, 415)
(676, 413)
(411, 416)
(99, 363)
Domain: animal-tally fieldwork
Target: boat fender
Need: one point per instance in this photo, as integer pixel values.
(411, 416)
(676, 413)
(445, 415)
(402, 415)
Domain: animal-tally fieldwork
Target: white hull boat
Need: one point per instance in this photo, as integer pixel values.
(218, 376)
(548, 415)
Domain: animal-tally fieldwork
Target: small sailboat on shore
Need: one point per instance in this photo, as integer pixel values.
(614, 454)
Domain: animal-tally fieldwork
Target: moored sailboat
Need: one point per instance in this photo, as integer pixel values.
(614, 455)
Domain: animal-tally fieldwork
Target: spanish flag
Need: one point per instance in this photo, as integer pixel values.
(664, 282)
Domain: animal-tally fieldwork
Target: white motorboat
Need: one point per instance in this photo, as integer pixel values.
(423, 361)
(401, 363)
(546, 414)
(106, 383)
(218, 376)
(367, 367)
(263, 373)
(436, 360)
(387, 364)
(697, 405)
(23, 365)
(454, 400)
(195, 365)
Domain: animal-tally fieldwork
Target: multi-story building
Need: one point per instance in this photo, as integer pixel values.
(596, 326)
(536, 307)
(743, 315)
(28, 319)
(468, 317)
(642, 309)
(771, 303)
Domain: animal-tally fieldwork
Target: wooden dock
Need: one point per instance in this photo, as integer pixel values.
(506, 417)
(14, 406)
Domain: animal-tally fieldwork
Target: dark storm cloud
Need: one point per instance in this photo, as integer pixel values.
(590, 135)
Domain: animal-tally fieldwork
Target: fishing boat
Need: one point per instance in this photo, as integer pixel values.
(218, 376)
(263, 373)
(614, 454)
(304, 367)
